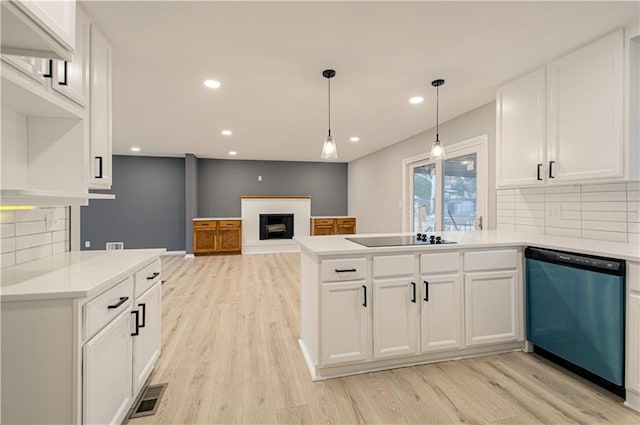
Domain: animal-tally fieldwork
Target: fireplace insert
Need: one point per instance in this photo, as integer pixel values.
(276, 226)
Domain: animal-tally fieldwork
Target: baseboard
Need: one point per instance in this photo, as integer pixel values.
(189, 256)
(174, 253)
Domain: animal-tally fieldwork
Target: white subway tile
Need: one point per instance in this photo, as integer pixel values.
(530, 213)
(633, 206)
(507, 205)
(33, 253)
(59, 236)
(633, 195)
(604, 187)
(506, 212)
(506, 220)
(7, 230)
(59, 247)
(30, 241)
(506, 192)
(37, 214)
(633, 216)
(634, 238)
(530, 198)
(605, 215)
(559, 231)
(7, 216)
(529, 229)
(559, 222)
(8, 245)
(604, 236)
(562, 197)
(506, 227)
(633, 227)
(57, 225)
(530, 221)
(571, 214)
(8, 259)
(633, 186)
(603, 206)
(532, 191)
(611, 226)
(604, 196)
(30, 228)
(529, 205)
(562, 189)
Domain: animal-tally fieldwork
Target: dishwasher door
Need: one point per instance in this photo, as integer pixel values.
(575, 310)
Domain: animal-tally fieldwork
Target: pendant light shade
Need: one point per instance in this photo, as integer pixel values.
(437, 150)
(329, 149)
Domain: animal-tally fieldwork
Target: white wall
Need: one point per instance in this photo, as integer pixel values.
(375, 181)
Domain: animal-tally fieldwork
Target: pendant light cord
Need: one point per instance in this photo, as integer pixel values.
(329, 80)
(437, 112)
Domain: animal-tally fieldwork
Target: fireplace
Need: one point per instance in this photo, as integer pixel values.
(276, 226)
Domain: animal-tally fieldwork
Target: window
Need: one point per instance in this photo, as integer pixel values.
(446, 194)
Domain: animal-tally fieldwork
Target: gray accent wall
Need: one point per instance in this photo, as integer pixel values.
(149, 209)
(375, 180)
(223, 182)
(191, 198)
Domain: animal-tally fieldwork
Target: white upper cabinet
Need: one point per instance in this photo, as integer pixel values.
(585, 112)
(41, 28)
(100, 111)
(565, 122)
(521, 130)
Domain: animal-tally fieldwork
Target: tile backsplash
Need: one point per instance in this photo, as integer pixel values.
(599, 211)
(31, 234)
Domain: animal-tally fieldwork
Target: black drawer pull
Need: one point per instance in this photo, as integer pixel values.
(64, 81)
(137, 331)
(551, 176)
(539, 171)
(49, 72)
(365, 295)
(143, 306)
(99, 166)
(345, 270)
(426, 291)
(119, 303)
(153, 276)
(413, 299)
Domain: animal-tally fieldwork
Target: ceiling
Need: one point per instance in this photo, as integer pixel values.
(269, 58)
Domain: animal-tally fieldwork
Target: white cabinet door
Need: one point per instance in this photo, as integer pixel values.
(106, 379)
(72, 78)
(633, 343)
(34, 68)
(345, 322)
(491, 307)
(146, 345)
(586, 113)
(521, 130)
(395, 318)
(441, 316)
(101, 108)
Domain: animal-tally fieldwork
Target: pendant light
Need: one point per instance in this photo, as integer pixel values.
(329, 149)
(437, 150)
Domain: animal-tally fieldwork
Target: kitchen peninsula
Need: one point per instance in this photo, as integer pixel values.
(367, 309)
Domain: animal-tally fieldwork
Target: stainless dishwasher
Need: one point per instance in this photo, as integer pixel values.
(575, 313)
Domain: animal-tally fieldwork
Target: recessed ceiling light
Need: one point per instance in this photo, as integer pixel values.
(416, 99)
(212, 84)
(226, 132)
(355, 139)
(233, 153)
(135, 149)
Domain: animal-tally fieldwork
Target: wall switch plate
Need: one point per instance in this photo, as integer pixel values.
(259, 178)
(87, 244)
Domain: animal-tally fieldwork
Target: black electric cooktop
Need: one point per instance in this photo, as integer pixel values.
(419, 239)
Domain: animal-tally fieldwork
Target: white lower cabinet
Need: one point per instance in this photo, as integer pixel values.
(106, 375)
(146, 345)
(395, 318)
(441, 317)
(345, 322)
(491, 307)
(633, 366)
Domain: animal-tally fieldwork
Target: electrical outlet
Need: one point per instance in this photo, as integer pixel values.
(554, 212)
(259, 178)
(87, 244)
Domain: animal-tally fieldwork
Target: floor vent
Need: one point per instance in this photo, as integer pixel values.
(148, 403)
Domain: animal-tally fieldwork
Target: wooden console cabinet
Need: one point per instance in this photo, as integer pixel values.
(217, 237)
(333, 226)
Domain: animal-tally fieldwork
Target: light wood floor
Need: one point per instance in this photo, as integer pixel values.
(230, 355)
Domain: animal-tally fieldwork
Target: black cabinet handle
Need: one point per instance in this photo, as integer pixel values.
(143, 306)
(345, 270)
(119, 303)
(137, 331)
(551, 176)
(413, 284)
(153, 276)
(99, 175)
(49, 73)
(365, 295)
(64, 81)
(539, 171)
(426, 291)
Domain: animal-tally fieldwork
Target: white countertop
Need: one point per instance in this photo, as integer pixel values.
(333, 216)
(75, 274)
(216, 218)
(338, 245)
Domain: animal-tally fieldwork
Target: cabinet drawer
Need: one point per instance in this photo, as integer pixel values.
(226, 224)
(105, 307)
(633, 276)
(343, 269)
(394, 265)
(204, 223)
(346, 221)
(445, 262)
(323, 222)
(491, 260)
(147, 277)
